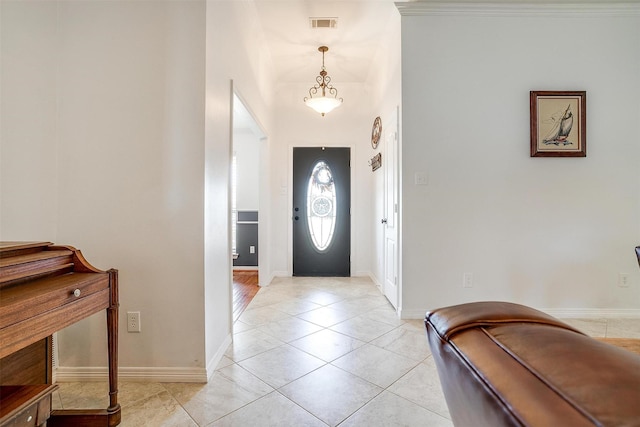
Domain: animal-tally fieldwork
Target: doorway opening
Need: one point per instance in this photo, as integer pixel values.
(247, 151)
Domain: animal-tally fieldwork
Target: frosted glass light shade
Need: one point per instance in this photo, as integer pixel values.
(323, 104)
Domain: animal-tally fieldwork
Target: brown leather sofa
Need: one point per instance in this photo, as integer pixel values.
(504, 364)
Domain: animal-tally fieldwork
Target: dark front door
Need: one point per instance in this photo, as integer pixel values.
(321, 211)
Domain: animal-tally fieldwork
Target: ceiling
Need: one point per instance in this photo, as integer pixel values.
(293, 44)
(362, 27)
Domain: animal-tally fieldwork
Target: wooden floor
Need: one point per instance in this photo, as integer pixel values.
(245, 287)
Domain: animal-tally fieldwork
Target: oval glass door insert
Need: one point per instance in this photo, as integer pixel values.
(321, 206)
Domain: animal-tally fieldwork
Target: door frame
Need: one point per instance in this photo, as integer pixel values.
(395, 156)
(264, 254)
(352, 156)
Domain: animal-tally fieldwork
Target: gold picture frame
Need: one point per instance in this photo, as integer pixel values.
(558, 123)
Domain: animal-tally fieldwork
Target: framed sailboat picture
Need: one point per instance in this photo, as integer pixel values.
(558, 123)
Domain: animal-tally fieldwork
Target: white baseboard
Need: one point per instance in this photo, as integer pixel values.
(215, 360)
(267, 282)
(361, 274)
(412, 314)
(141, 374)
(273, 275)
(561, 313)
(374, 279)
(134, 374)
(355, 274)
(592, 313)
(280, 274)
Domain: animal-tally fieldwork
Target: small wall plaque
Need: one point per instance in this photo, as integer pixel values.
(375, 162)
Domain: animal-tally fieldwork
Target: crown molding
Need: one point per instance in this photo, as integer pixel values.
(520, 9)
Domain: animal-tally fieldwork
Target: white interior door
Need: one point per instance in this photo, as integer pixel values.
(390, 220)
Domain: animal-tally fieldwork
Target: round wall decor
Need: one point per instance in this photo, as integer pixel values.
(376, 131)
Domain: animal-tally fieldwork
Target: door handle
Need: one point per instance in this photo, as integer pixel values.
(384, 220)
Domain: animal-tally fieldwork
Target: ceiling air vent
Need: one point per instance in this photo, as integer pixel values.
(323, 22)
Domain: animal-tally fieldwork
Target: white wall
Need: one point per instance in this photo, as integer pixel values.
(116, 139)
(28, 130)
(385, 82)
(247, 148)
(119, 87)
(236, 60)
(552, 233)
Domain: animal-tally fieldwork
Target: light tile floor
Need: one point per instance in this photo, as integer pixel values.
(308, 352)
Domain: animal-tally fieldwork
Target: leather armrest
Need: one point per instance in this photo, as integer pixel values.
(449, 320)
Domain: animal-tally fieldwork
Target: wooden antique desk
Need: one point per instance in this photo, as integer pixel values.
(43, 289)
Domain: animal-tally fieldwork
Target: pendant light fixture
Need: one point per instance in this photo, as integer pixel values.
(322, 96)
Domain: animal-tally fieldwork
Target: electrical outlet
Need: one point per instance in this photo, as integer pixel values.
(133, 321)
(420, 178)
(623, 280)
(252, 249)
(467, 280)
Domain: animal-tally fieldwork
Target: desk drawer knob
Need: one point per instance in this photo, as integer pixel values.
(76, 293)
(30, 418)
